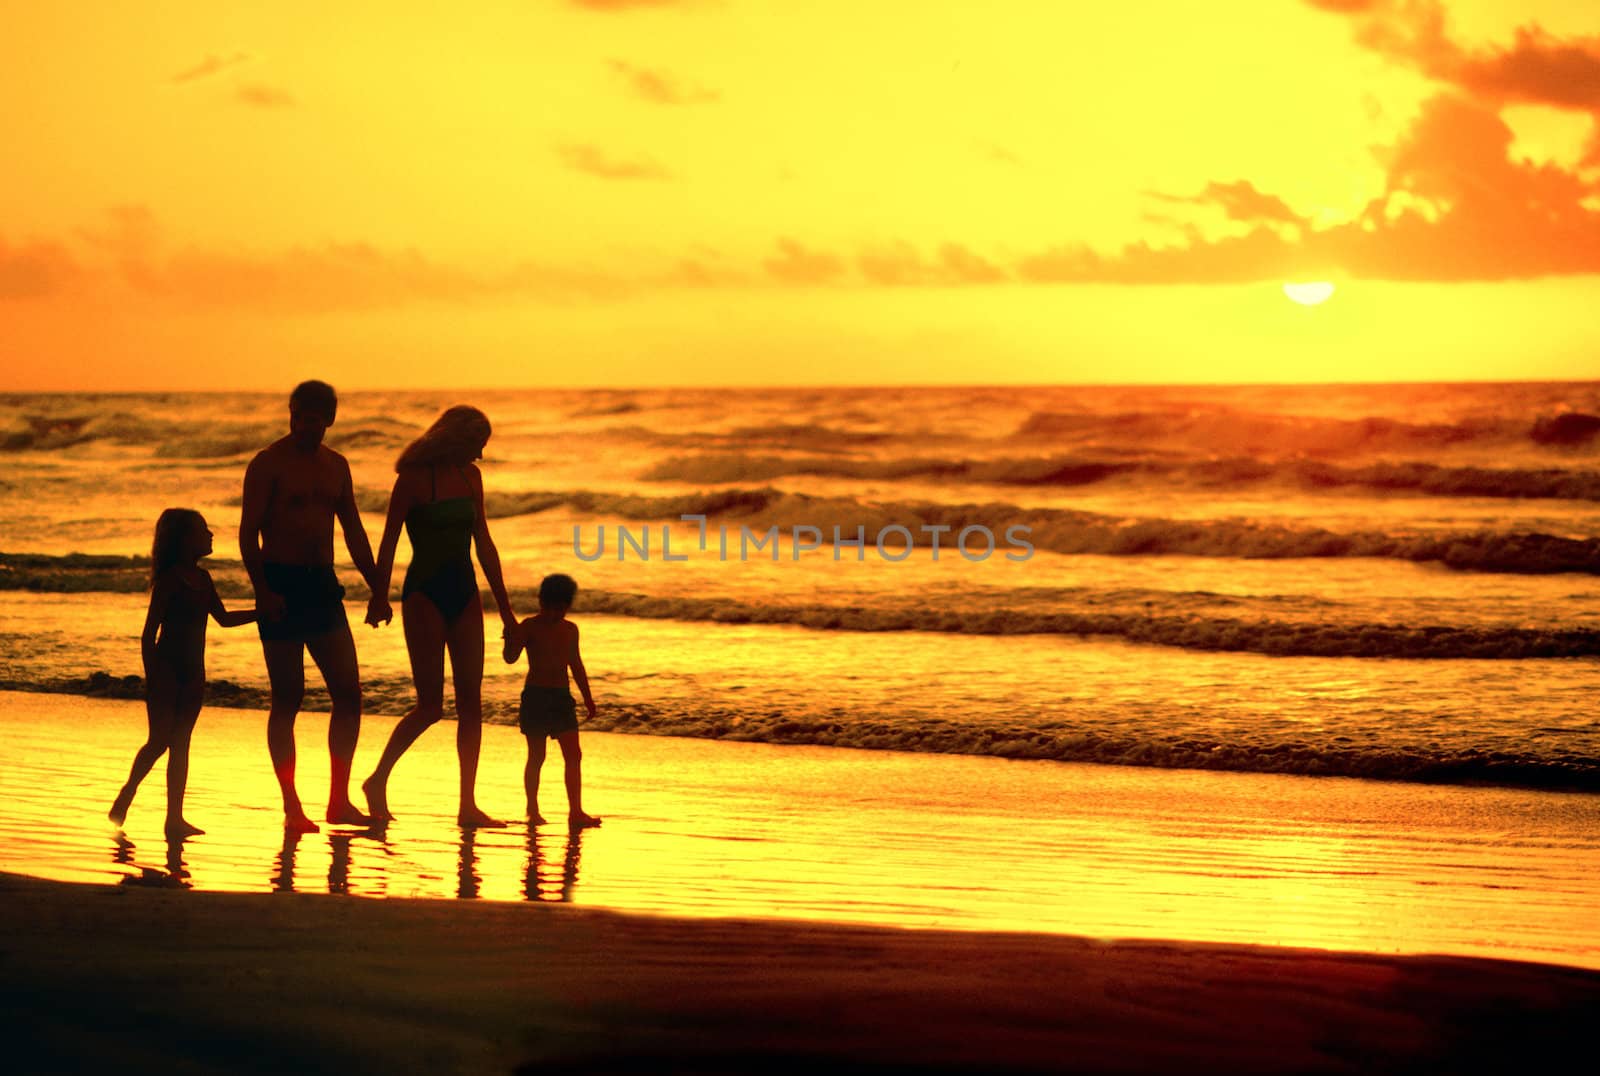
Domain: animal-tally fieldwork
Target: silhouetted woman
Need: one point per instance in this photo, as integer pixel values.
(438, 495)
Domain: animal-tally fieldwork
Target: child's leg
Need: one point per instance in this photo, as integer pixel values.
(178, 760)
(572, 756)
(160, 706)
(530, 777)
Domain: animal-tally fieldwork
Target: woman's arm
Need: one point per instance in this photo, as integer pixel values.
(400, 499)
(489, 556)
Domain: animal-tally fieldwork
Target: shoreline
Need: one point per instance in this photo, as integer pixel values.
(116, 975)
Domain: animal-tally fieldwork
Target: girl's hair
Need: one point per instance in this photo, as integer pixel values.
(454, 438)
(172, 531)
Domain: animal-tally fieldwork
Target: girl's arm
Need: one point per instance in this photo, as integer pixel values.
(160, 598)
(400, 498)
(489, 556)
(221, 615)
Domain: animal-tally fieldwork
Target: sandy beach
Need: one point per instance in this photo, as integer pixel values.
(756, 908)
(102, 977)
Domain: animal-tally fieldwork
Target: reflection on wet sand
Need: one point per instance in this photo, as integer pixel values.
(543, 882)
(173, 874)
(468, 883)
(282, 880)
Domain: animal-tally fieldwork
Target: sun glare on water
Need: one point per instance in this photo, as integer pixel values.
(1309, 292)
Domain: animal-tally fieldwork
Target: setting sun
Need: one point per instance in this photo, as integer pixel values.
(1309, 293)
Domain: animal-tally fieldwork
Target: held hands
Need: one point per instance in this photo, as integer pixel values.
(511, 649)
(270, 605)
(378, 610)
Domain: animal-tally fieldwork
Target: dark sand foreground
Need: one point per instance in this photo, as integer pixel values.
(104, 977)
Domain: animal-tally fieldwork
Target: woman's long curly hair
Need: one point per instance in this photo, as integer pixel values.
(455, 438)
(173, 528)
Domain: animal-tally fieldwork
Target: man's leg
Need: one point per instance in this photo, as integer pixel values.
(287, 674)
(335, 655)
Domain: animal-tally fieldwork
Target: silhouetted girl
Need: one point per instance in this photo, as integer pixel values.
(173, 646)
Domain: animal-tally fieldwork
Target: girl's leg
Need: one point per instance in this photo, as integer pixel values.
(572, 760)
(160, 711)
(189, 700)
(424, 629)
(465, 642)
(530, 778)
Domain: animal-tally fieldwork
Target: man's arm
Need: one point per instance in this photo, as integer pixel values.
(355, 534)
(400, 498)
(252, 514)
(580, 675)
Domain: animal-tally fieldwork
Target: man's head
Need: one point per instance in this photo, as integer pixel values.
(312, 407)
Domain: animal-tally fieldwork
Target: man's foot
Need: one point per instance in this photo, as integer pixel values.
(119, 809)
(346, 814)
(179, 829)
(377, 793)
(537, 819)
(472, 818)
(579, 820)
(296, 824)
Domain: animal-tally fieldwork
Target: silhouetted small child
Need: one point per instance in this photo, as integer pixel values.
(173, 646)
(548, 711)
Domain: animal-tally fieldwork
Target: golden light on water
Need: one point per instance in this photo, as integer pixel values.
(1309, 293)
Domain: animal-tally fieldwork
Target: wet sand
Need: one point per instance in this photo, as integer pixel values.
(121, 977)
(714, 829)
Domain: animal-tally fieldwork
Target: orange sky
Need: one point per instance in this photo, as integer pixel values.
(618, 192)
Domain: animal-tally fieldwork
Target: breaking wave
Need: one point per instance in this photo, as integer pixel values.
(1073, 532)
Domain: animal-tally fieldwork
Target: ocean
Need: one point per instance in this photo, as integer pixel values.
(1398, 582)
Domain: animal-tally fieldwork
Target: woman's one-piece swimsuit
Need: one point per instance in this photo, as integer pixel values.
(441, 553)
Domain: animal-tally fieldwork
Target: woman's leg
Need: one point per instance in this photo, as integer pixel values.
(160, 711)
(465, 641)
(425, 632)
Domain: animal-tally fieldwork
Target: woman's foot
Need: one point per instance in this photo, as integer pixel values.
(579, 820)
(537, 819)
(377, 793)
(472, 818)
(178, 829)
(347, 814)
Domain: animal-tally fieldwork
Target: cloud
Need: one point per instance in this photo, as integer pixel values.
(34, 270)
(994, 151)
(259, 95)
(1455, 207)
(210, 66)
(900, 264)
(660, 88)
(591, 160)
(624, 5)
(1538, 68)
(794, 264)
(1240, 201)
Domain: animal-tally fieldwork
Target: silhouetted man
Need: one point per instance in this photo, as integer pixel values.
(293, 490)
